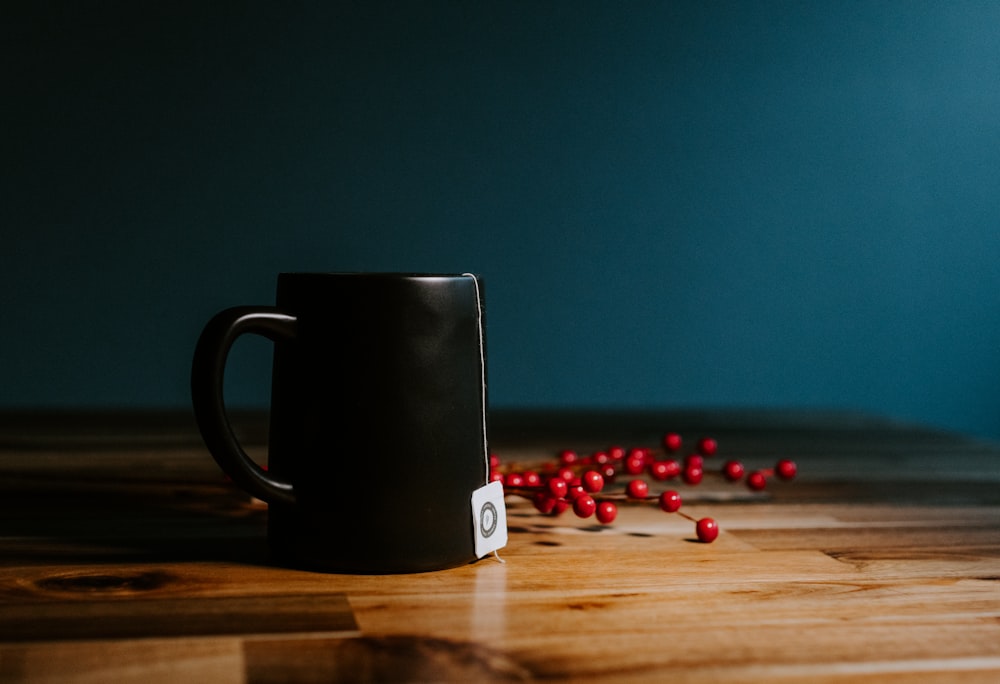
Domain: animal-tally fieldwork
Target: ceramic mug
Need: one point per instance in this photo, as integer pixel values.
(377, 433)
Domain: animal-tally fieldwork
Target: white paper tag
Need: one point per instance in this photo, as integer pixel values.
(489, 518)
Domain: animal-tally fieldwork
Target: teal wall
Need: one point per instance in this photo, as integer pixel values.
(672, 203)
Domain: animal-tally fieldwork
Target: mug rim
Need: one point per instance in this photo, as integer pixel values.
(376, 274)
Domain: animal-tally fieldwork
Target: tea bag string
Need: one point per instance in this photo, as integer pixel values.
(482, 367)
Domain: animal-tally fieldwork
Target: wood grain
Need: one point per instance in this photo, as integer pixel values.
(881, 563)
(136, 618)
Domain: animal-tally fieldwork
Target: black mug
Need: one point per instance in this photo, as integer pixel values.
(377, 433)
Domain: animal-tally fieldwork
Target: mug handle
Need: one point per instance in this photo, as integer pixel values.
(207, 370)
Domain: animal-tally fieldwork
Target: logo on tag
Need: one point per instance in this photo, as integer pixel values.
(489, 518)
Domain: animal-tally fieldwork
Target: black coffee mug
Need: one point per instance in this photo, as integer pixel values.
(377, 434)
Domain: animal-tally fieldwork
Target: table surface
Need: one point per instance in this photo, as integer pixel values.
(126, 556)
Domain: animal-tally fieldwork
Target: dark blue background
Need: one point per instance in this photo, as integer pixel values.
(672, 203)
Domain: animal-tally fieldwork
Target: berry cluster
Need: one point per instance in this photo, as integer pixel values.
(578, 482)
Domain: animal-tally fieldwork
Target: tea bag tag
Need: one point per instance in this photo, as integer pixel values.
(489, 518)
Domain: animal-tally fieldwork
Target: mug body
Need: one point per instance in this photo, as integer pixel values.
(378, 409)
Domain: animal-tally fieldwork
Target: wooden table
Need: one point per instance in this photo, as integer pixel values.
(125, 556)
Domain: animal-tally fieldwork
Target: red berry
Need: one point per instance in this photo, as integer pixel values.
(606, 512)
(566, 474)
(670, 501)
(756, 481)
(634, 465)
(592, 481)
(496, 476)
(608, 471)
(584, 506)
(733, 470)
(639, 453)
(575, 491)
(557, 487)
(600, 458)
(514, 480)
(532, 479)
(616, 453)
(785, 469)
(568, 457)
(694, 460)
(543, 503)
(672, 441)
(707, 446)
(494, 460)
(664, 470)
(707, 530)
(637, 489)
(693, 474)
(560, 506)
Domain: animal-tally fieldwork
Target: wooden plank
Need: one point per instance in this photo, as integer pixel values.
(143, 661)
(138, 618)
(407, 658)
